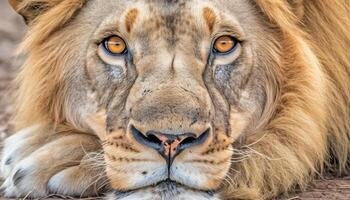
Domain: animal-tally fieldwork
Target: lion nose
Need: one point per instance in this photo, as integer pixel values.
(167, 145)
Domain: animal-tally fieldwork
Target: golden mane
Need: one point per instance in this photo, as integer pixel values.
(40, 84)
(313, 102)
(324, 25)
(309, 108)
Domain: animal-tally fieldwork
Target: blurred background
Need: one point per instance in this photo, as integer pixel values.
(12, 29)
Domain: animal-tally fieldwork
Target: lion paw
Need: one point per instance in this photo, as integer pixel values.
(35, 164)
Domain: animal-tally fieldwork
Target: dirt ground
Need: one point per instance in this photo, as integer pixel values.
(12, 29)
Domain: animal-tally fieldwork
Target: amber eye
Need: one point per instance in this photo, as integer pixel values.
(224, 44)
(115, 45)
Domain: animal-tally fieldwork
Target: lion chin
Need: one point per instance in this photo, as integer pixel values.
(164, 190)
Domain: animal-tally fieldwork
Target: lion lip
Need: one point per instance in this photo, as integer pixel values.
(164, 185)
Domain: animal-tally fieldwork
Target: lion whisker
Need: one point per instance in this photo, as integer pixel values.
(255, 142)
(98, 177)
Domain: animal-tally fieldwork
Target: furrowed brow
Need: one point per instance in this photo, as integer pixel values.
(130, 19)
(210, 18)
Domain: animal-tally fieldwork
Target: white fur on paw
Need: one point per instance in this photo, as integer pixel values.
(31, 166)
(84, 185)
(8, 189)
(12, 148)
(23, 181)
(16, 170)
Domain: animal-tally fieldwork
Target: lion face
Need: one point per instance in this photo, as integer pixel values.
(172, 88)
(187, 95)
(177, 82)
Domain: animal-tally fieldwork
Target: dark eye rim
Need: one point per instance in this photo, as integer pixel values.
(105, 46)
(236, 43)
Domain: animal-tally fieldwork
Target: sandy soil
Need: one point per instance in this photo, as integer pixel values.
(12, 29)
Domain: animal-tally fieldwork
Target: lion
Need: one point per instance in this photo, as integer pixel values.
(179, 99)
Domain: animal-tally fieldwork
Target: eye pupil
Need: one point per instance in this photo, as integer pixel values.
(224, 44)
(115, 45)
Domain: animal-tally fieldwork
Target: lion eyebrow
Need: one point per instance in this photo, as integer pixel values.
(209, 17)
(130, 18)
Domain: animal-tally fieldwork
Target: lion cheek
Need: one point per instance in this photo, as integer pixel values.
(119, 181)
(239, 122)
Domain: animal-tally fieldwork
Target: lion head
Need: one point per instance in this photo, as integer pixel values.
(202, 97)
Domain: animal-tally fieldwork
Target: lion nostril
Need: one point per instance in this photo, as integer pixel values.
(149, 140)
(192, 140)
(169, 145)
(188, 141)
(153, 138)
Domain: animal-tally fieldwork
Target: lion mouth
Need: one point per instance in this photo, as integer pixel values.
(167, 189)
(165, 186)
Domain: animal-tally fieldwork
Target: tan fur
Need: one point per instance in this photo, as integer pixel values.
(313, 114)
(209, 17)
(130, 19)
(305, 125)
(42, 72)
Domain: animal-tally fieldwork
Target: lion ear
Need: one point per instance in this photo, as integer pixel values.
(30, 9)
